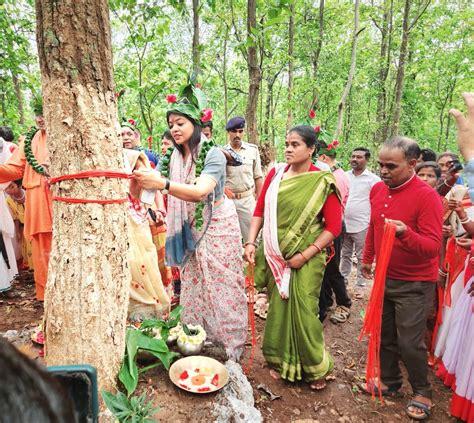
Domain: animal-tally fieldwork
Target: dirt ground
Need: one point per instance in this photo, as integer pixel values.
(340, 401)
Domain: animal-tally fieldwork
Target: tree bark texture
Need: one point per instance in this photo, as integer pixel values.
(196, 52)
(88, 281)
(350, 77)
(255, 74)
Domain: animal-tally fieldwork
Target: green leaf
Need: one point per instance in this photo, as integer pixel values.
(129, 376)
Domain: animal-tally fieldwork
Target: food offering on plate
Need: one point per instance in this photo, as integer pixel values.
(198, 374)
(191, 339)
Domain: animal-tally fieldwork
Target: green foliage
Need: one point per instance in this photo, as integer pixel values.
(152, 55)
(136, 340)
(130, 410)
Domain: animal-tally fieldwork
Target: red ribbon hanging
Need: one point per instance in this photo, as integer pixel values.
(90, 174)
(373, 317)
(250, 284)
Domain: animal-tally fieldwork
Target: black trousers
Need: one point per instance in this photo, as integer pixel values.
(333, 281)
(406, 308)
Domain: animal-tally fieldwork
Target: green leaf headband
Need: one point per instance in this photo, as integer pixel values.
(37, 104)
(129, 123)
(191, 102)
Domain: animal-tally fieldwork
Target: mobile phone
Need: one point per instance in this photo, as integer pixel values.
(456, 166)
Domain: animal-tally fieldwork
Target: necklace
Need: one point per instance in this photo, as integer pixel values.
(165, 171)
(30, 157)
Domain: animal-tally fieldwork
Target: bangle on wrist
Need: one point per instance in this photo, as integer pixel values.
(317, 247)
(442, 273)
(465, 220)
(445, 183)
(306, 259)
(251, 243)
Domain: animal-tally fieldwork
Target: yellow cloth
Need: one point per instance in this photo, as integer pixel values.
(158, 234)
(148, 298)
(18, 213)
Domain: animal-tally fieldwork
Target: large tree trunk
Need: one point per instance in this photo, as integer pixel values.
(255, 74)
(291, 44)
(196, 52)
(350, 77)
(88, 282)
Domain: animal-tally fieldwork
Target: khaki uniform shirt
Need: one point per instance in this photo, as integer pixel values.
(242, 178)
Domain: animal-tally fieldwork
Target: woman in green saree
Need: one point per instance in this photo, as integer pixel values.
(300, 212)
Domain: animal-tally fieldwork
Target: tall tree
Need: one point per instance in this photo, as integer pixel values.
(254, 71)
(317, 50)
(291, 47)
(407, 26)
(385, 28)
(196, 51)
(352, 68)
(88, 282)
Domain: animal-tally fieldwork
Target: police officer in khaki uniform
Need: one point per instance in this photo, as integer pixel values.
(245, 182)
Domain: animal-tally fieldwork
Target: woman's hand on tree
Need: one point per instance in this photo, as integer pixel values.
(148, 179)
(249, 253)
(296, 262)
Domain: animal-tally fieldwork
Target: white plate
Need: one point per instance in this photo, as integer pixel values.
(208, 368)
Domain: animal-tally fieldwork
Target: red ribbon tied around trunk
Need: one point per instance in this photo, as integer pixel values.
(373, 317)
(90, 174)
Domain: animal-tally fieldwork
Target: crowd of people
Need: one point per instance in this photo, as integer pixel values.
(201, 215)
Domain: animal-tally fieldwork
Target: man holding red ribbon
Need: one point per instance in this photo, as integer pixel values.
(27, 163)
(415, 209)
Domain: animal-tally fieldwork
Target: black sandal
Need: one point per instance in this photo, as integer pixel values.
(389, 392)
(425, 408)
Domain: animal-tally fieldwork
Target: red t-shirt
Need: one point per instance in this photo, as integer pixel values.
(415, 254)
(331, 211)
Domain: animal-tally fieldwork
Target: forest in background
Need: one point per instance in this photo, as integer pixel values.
(368, 69)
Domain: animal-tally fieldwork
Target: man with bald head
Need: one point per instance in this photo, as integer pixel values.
(415, 208)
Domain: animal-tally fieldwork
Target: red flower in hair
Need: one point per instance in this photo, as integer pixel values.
(171, 98)
(206, 115)
(312, 114)
(317, 129)
(335, 143)
(132, 122)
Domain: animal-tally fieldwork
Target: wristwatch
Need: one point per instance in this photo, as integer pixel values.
(166, 189)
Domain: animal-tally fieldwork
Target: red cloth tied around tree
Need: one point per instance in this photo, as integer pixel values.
(90, 174)
(373, 317)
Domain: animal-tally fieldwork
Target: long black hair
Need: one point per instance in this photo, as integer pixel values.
(195, 137)
(308, 134)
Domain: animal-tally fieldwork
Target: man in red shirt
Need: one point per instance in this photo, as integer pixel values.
(415, 208)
